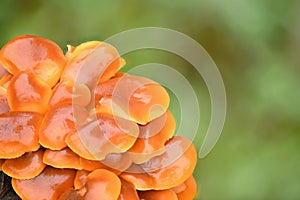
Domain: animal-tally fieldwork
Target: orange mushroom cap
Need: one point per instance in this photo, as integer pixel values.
(18, 133)
(64, 158)
(91, 62)
(158, 195)
(34, 54)
(97, 185)
(128, 191)
(4, 107)
(27, 166)
(27, 92)
(186, 190)
(167, 170)
(152, 138)
(134, 98)
(58, 123)
(102, 184)
(103, 136)
(49, 185)
(68, 92)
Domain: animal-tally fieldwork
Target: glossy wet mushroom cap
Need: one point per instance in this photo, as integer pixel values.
(152, 138)
(91, 62)
(27, 166)
(134, 98)
(103, 136)
(27, 92)
(64, 158)
(19, 133)
(58, 123)
(34, 54)
(167, 170)
(102, 184)
(68, 92)
(49, 185)
(97, 185)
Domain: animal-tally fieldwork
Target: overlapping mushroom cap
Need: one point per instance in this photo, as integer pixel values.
(34, 54)
(76, 128)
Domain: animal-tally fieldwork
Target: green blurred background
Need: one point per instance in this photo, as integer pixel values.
(255, 44)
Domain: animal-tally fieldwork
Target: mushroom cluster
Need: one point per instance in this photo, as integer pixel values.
(73, 127)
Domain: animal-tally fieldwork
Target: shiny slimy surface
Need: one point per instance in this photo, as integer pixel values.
(103, 136)
(136, 98)
(49, 185)
(102, 184)
(166, 170)
(152, 138)
(57, 124)
(68, 92)
(18, 133)
(112, 131)
(34, 54)
(27, 92)
(27, 166)
(64, 158)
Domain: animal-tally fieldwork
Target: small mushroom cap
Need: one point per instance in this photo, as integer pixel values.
(35, 54)
(49, 185)
(158, 195)
(19, 133)
(128, 191)
(103, 136)
(186, 190)
(62, 93)
(27, 92)
(120, 132)
(27, 166)
(76, 56)
(167, 170)
(97, 185)
(74, 142)
(152, 138)
(58, 123)
(68, 92)
(91, 57)
(135, 98)
(64, 158)
(102, 184)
